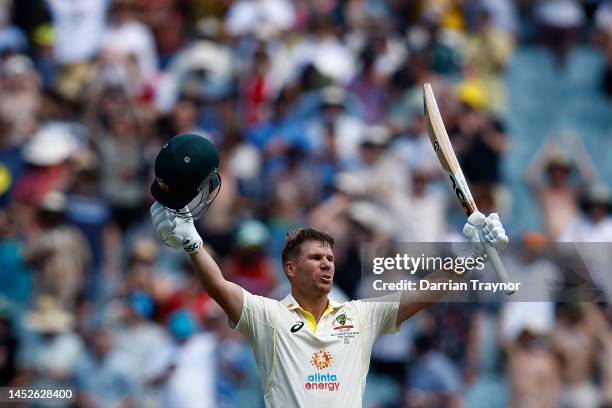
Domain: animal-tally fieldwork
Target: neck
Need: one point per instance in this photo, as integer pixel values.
(316, 304)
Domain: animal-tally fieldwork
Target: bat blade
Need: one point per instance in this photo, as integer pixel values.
(448, 160)
(444, 150)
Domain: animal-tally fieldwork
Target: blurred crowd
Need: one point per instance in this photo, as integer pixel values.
(316, 109)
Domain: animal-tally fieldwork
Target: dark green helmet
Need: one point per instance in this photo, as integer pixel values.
(187, 175)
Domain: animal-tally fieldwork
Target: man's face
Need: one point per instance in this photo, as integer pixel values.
(313, 269)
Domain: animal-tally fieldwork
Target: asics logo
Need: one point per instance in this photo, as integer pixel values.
(296, 327)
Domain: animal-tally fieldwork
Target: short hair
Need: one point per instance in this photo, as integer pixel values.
(298, 236)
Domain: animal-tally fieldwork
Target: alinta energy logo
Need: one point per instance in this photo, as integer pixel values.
(321, 360)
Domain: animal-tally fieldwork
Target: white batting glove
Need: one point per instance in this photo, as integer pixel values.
(175, 231)
(479, 229)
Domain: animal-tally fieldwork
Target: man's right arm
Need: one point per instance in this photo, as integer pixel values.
(176, 232)
(227, 294)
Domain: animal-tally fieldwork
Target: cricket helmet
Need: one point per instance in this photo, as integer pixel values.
(187, 176)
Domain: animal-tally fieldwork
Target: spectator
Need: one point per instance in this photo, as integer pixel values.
(47, 155)
(575, 343)
(12, 39)
(233, 362)
(51, 349)
(126, 38)
(20, 96)
(90, 212)
(140, 338)
(57, 252)
(533, 371)
(259, 17)
(433, 381)
(424, 202)
(102, 375)
(478, 139)
(248, 264)
(77, 29)
(598, 320)
(559, 25)
(488, 51)
(375, 164)
(15, 276)
(123, 168)
(595, 224)
(557, 197)
(184, 369)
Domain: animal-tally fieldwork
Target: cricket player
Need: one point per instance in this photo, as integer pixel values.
(310, 350)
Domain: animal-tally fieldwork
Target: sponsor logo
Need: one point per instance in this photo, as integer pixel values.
(296, 327)
(327, 382)
(460, 195)
(162, 184)
(190, 248)
(436, 146)
(321, 359)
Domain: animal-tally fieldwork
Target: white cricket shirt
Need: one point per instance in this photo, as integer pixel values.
(302, 363)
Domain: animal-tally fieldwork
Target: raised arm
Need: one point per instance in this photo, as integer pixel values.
(414, 301)
(534, 172)
(584, 163)
(178, 232)
(477, 228)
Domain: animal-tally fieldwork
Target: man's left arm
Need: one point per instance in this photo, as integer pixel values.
(490, 229)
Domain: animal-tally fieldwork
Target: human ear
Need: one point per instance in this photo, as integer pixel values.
(289, 270)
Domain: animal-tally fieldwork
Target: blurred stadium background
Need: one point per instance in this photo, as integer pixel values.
(315, 106)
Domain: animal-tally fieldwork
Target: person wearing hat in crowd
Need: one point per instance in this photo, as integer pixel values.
(47, 157)
(20, 96)
(595, 223)
(248, 264)
(595, 227)
(334, 135)
(300, 343)
(50, 347)
(548, 177)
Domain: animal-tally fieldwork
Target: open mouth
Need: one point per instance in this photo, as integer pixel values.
(326, 278)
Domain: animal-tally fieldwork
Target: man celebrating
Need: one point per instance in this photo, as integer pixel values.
(309, 349)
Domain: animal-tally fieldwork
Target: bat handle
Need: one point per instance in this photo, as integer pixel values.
(497, 264)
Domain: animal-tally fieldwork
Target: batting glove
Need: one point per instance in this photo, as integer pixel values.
(479, 229)
(175, 231)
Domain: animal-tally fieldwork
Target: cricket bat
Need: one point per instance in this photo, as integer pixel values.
(450, 164)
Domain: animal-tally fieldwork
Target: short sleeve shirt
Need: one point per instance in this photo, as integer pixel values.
(316, 365)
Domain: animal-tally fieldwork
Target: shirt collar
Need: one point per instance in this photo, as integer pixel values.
(290, 303)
